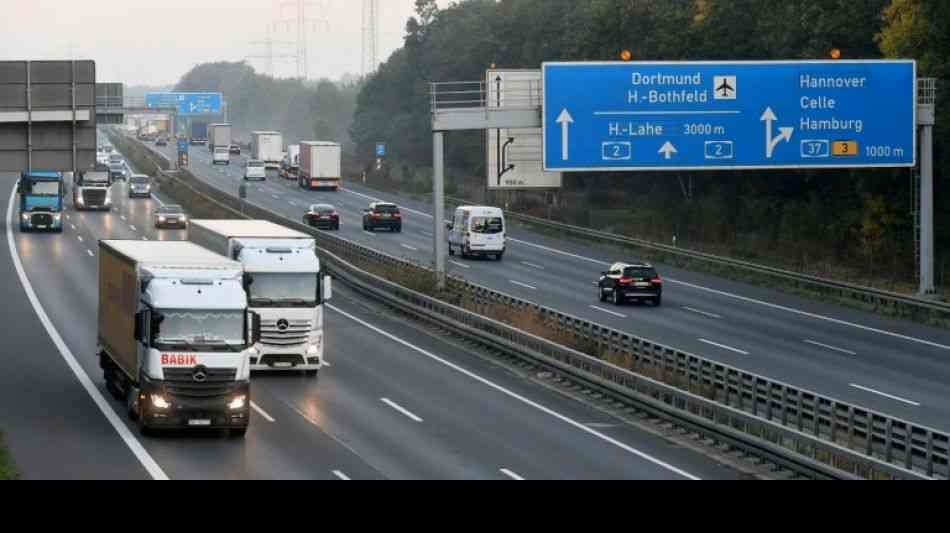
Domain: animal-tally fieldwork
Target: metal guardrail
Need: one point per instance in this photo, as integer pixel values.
(901, 304)
(829, 435)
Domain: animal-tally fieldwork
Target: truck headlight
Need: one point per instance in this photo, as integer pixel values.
(25, 216)
(79, 201)
(238, 403)
(160, 402)
(161, 219)
(57, 217)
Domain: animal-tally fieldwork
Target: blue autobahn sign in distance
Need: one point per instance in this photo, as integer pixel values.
(735, 115)
(380, 150)
(186, 103)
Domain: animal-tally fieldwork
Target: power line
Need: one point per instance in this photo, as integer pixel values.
(304, 25)
(269, 54)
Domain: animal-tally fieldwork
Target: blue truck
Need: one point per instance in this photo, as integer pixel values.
(41, 201)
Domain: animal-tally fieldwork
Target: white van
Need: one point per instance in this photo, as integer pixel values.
(255, 170)
(477, 231)
(222, 155)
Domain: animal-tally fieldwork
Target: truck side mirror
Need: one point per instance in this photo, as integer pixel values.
(327, 288)
(143, 321)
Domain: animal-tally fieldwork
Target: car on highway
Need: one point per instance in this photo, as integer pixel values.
(235, 149)
(477, 232)
(171, 217)
(382, 215)
(161, 141)
(117, 171)
(322, 216)
(140, 186)
(626, 282)
(255, 170)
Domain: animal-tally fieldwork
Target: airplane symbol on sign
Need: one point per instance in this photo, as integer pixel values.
(725, 87)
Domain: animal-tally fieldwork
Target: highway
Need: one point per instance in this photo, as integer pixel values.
(395, 404)
(891, 366)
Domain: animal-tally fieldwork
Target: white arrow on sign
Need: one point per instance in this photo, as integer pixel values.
(668, 150)
(771, 143)
(565, 120)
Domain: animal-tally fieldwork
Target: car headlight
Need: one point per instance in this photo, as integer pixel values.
(160, 402)
(238, 403)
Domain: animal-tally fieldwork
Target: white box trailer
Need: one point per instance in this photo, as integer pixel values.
(219, 135)
(321, 165)
(267, 146)
(284, 286)
(175, 334)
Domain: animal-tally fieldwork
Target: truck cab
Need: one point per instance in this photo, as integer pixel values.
(92, 189)
(41, 201)
(284, 287)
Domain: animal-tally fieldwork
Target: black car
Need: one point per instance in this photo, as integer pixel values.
(322, 216)
(235, 149)
(161, 141)
(626, 282)
(172, 217)
(382, 215)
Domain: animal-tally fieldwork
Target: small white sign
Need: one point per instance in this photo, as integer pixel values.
(725, 87)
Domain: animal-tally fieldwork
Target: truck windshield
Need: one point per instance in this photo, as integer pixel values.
(96, 177)
(487, 225)
(283, 290)
(201, 331)
(43, 188)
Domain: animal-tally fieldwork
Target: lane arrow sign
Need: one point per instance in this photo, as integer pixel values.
(771, 143)
(565, 120)
(668, 150)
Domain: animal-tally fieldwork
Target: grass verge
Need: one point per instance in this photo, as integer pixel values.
(8, 471)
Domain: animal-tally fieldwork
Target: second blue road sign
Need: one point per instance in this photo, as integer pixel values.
(737, 115)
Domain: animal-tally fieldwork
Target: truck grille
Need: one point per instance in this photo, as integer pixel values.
(181, 382)
(42, 219)
(297, 332)
(278, 360)
(94, 196)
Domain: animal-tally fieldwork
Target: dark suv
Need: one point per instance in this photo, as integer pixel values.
(626, 282)
(382, 215)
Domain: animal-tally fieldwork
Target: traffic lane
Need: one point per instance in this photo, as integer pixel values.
(290, 450)
(469, 430)
(50, 423)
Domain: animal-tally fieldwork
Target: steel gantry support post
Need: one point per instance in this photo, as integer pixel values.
(438, 207)
(926, 119)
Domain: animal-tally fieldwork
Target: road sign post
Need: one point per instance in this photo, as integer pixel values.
(438, 198)
(729, 115)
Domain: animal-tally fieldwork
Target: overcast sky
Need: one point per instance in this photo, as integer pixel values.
(154, 42)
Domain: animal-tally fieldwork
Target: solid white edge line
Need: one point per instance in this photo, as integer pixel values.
(341, 476)
(262, 412)
(724, 347)
(134, 445)
(525, 285)
(515, 396)
(829, 347)
(407, 247)
(608, 311)
(511, 474)
(885, 395)
(461, 265)
(408, 414)
(703, 313)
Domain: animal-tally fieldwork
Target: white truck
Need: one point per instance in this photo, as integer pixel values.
(175, 334)
(321, 165)
(290, 166)
(267, 146)
(284, 286)
(219, 143)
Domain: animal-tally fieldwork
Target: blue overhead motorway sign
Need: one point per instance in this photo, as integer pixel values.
(186, 103)
(729, 115)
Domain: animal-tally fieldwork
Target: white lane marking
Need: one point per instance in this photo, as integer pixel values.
(532, 265)
(569, 421)
(703, 313)
(895, 398)
(122, 217)
(460, 265)
(369, 233)
(427, 234)
(90, 253)
(68, 217)
(408, 414)
(73, 226)
(276, 197)
(518, 283)
(724, 347)
(133, 228)
(79, 237)
(134, 445)
(407, 247)
(511, 474)
(609, 312)
(829, 347)
(293, 203)
(341, 476)
(263, 413)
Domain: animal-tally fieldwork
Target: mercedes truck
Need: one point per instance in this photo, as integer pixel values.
(284, 285)
(174, 335)
(41, 201)
(320, 165)
(267, 146)
(92, 190)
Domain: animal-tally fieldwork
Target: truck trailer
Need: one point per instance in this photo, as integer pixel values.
(267, 146)
(219, 143)
(284, 287)
(320, 165)
(174, 335)
(199, 133)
